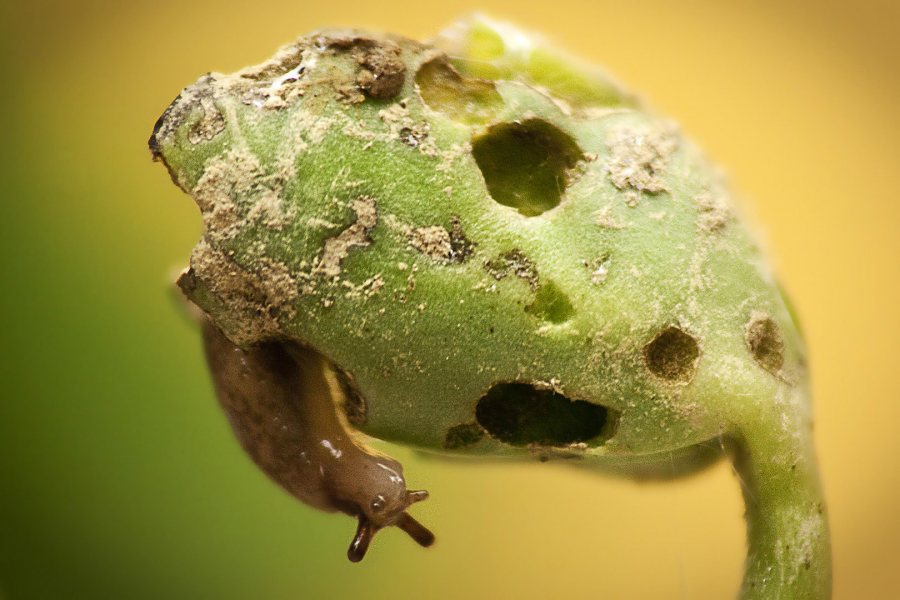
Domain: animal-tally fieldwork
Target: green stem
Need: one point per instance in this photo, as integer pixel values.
(789, 554)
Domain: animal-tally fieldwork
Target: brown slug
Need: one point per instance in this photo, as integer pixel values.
(283, 409)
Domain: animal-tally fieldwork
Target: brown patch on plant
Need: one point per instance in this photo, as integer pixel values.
(433, 242)
(356, 235)
(381, 73)
(234, 191)
(209, 125)
(463, 436)
(439, 244)
(638, 157)
(513, 262)
(714, 211)
(764, 340)
(254, 299)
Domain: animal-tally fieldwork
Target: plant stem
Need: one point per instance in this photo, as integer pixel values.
(789, 553)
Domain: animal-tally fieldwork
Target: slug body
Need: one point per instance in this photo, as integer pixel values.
(283, 410)
(508, 255)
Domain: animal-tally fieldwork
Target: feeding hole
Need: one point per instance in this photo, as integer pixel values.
(526, 165)
(765, 342)
(465, 99)
(672, 355)
(551, 304)
(521, 414)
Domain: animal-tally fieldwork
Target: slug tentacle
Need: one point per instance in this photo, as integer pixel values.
(365, 531)
(418, 532)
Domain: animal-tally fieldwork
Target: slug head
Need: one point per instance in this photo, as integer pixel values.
(384, 511)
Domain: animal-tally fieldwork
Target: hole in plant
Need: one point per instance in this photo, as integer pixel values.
(461, 98)
(461, 436)
(765, 342)
(672, 355)
(521, 414)
(526, 165)
(551, 304)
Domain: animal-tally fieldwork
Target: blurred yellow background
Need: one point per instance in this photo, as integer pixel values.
(119, 477)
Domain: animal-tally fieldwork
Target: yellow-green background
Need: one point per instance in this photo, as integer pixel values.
(118, 475)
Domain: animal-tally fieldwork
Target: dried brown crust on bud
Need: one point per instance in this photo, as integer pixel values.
(764, 340)
(382, 70)
(254, 300)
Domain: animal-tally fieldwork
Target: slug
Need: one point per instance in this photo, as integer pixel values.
(281, 400)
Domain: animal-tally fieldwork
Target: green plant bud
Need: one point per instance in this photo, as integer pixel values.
(486, 247)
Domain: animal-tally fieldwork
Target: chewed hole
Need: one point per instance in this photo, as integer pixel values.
(521, 414)
(551, 304)
(526, 165)
(672, 355)
(765, 342)
(461, 98)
